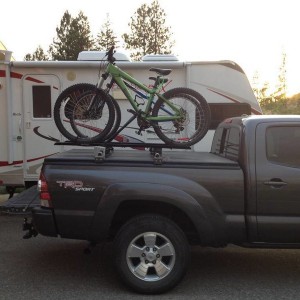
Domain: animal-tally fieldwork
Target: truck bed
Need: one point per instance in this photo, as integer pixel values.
(28, 199)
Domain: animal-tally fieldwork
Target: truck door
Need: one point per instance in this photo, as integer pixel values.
(39, 95)
(278, 182)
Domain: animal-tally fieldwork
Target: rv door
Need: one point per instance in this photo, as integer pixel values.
(40, 133)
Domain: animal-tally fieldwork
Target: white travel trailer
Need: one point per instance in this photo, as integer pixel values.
(28, 91)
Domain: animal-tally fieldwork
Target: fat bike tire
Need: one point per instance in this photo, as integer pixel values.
(64, 106)
(117, 113)
(93, 125)
(195, 122)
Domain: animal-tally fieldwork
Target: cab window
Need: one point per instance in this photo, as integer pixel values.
(283, 145)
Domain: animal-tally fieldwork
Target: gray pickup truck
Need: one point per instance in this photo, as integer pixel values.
(153, 206)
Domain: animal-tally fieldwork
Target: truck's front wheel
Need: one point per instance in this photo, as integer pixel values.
(151, 254)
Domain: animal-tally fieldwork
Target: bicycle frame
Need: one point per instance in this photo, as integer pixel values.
(118, 76)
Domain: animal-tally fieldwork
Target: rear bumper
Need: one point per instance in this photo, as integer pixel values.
(43, 221)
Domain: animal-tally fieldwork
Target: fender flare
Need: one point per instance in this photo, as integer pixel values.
(117, 193)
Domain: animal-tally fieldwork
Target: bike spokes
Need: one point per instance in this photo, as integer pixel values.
(93, 116)
(192, 117)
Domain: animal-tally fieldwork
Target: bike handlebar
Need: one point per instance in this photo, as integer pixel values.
(110, 54)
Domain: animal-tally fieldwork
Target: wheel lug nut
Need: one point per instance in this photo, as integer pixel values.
(154, 249)
(157, 256)
(146, 261)
(147, 249)
(143, 254)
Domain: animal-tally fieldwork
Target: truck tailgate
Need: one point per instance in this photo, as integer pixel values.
(21, 203)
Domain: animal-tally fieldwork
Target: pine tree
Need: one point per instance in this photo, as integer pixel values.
(73, 36)
(106, 37)
(149, 33)
(38, 55)
(279, 96)
(276, 102)
(281, 88)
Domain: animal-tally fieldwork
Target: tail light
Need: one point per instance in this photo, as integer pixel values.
(44, 192)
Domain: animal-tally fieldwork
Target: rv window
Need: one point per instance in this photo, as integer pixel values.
(41, 100)
(222, 111)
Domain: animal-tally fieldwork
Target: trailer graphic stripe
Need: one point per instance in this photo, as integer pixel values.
(17, 162)
(20, 76)
(33, 79)
(50, 138)
(254, 111)
(16, 75)
(119, 138)
(12, 74)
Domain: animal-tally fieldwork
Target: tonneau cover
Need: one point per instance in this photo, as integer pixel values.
(169, 158)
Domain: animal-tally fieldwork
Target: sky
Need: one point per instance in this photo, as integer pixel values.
(252, 33)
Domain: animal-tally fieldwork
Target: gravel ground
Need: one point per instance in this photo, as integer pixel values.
(55, 268)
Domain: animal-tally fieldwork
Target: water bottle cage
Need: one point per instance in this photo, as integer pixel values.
(139, 97)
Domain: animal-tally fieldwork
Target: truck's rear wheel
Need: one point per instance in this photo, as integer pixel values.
(151, 254)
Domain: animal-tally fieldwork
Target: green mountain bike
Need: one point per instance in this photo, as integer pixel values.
(180, 116)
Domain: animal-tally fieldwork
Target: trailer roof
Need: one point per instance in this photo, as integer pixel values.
(95, 64)
(122, 64)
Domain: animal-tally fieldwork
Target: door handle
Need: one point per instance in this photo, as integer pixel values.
(275, 182)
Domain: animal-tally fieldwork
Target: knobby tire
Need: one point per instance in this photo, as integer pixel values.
(197, 121)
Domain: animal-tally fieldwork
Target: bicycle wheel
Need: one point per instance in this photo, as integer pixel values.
(64, 106)
(93, 117)
(117, 113)
(193, 125)
(117, 117)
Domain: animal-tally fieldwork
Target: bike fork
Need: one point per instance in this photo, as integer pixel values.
(99, 85)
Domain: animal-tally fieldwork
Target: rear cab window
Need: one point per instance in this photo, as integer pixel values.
(226, 142)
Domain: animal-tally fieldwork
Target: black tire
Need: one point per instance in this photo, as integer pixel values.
(151, 254)
(117, 119)
(92, 125)
(193, 127)
(64, 106)
(117, 122)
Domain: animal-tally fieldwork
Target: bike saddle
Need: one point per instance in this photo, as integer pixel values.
(161, 71)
